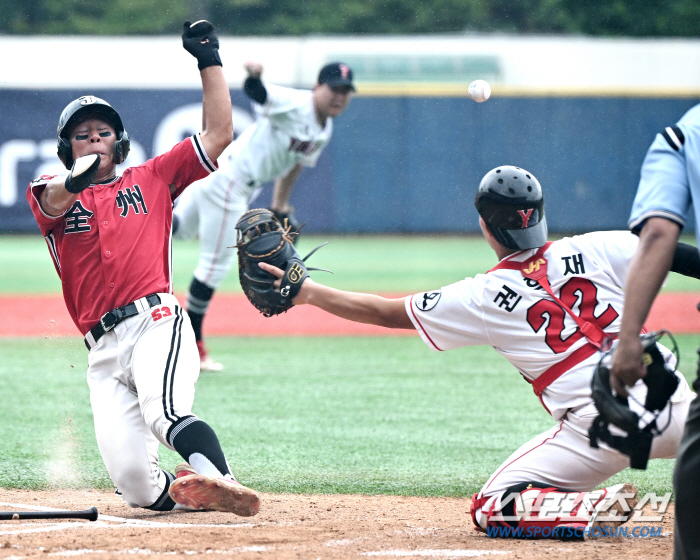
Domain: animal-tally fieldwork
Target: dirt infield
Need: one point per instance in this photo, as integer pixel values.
(232, 315)
(291, 527)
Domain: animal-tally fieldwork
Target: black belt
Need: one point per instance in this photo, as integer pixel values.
(113, 318)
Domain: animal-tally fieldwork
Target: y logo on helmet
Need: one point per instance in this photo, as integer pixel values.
(427, 300)
(296, 273)
(525, 215)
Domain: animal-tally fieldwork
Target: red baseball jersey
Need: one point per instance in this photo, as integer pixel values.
(113, 245)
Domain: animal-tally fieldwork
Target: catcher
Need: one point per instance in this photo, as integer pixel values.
(547, 307)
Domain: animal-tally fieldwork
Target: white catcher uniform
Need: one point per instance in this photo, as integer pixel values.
(285, 133)
(516, 316)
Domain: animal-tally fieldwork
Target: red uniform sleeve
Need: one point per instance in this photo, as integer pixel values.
(46, 222)
(186, 163)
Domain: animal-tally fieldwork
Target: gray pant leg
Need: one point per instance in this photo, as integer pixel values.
(686, 483)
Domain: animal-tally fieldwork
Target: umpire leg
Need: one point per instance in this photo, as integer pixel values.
(686, 483)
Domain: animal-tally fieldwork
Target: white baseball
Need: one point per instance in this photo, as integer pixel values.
(479, 90)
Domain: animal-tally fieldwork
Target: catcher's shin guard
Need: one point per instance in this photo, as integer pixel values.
(534, 510)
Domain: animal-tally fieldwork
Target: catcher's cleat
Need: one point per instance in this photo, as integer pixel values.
(616, 508)
(205, 362)
(199, 492)
(184, 469)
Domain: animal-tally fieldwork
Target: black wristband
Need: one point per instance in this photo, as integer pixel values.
(211, 58)
(255, 89)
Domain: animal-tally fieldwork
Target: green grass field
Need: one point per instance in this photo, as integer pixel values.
(334, 415)
(362, 263)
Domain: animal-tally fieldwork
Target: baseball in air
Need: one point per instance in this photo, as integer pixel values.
(479, 90)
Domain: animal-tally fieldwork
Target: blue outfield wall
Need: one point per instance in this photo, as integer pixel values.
(395, 164)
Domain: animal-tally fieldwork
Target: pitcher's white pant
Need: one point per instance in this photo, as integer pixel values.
(216, 226)
(142, 378)
(562, 456)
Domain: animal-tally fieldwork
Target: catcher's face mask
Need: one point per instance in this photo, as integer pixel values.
(614, 409)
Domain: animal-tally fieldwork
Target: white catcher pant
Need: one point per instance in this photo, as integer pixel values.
(563, 458)
(216, 225)
(142, 378)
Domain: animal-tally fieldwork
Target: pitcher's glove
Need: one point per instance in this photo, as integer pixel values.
(262, 238)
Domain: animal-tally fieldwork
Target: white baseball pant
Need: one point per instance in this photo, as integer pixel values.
(562, 456)
(142, 379)
(197, 213)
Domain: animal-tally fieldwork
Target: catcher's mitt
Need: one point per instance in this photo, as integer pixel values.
(613, 409)
(261, 238)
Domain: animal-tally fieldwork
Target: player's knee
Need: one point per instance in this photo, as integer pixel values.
(157, 423)
(215, 268)
(137, 485)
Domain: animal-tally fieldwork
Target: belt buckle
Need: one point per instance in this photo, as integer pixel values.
(107, 327)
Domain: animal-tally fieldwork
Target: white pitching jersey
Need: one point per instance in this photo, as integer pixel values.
(285, 133)
(521, 321)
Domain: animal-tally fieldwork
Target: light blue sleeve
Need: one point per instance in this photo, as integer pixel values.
(663, 187)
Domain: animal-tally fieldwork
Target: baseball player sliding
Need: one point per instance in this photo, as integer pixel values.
(533, 307)
(109, 238)
(291, 131)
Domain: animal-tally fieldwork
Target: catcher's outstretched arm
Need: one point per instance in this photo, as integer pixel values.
(353, 306)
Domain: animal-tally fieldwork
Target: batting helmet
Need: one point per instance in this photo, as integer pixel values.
(510, 201)
(79, 110)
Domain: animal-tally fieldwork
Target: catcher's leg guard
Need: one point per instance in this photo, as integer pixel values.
(686, 484)
(535, 510)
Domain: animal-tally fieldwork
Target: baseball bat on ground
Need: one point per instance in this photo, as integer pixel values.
(89, 514)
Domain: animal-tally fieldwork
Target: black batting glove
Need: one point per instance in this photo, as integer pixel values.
(200, 40)
(82, 173)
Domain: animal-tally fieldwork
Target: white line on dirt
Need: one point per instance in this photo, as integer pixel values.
(123, 522)
(148, 552)
(441, 553)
